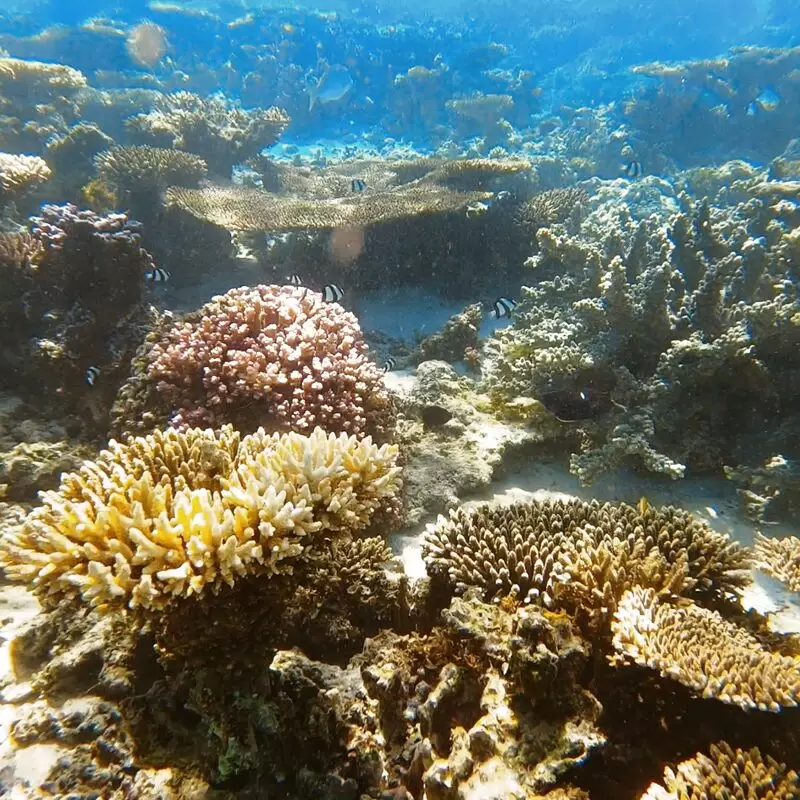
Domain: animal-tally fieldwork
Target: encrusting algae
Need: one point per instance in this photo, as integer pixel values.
(168, 515)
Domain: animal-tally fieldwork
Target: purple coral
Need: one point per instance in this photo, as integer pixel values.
(273, 356)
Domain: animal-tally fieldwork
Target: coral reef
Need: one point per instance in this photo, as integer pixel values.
(141, 167)
(38, 101)
(221, 133)
(165, 516)
(457, 338)
(670, 341)
(779, 557)
(700, 649)
(727, 772)
(770, 491)
(547, 552)
(272, 356)
(73, 298)
(19, 174)
(694, 109)
(549, 207)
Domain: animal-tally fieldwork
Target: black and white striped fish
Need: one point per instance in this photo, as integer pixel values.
(91, 375)
(331, 293)
(389, 364)
(633, 169)
(157, 275)
(358, 185)
(294, 280)
(502, 307)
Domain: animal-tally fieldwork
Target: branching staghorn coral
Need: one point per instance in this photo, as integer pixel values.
(701, 650)
(174, 514)
(221, 133)
(272, 356)
(779, 557)
(727, 772)
(559, 552)
(691, 321)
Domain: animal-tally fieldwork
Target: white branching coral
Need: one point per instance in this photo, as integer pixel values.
(173, 514)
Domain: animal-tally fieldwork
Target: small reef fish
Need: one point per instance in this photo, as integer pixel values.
(357, 185)
(157, 275)
(633, 169)
(331, 293)
(502, 307)
(643, 505)
(389, 364)
(435, 416)
(501, 197)
(477, 209)
(577, 405)
(91, 375)
(333, 85)
(294, 280)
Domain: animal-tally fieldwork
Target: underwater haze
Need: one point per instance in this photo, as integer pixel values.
(400, 401)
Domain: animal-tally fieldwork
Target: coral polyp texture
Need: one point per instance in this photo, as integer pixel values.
(700, 649)
(730, 773)
(551, 551)
(174, 514)
(141, 167)
(19, 174)
(272, 356)
(779, 557)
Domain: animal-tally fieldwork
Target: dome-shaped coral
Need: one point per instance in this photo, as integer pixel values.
(271, 356)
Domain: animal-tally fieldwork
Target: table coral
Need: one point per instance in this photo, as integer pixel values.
(267, 355)
(700, 649)
(727, 772)
(547, 552)
(779, 557)
(175, 514)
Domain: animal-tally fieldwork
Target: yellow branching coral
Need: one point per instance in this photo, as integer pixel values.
(19, 173)
(725, 772)
(780, 558)
(703, 651)
(587, 552)
(169, 515)
(145, 167)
